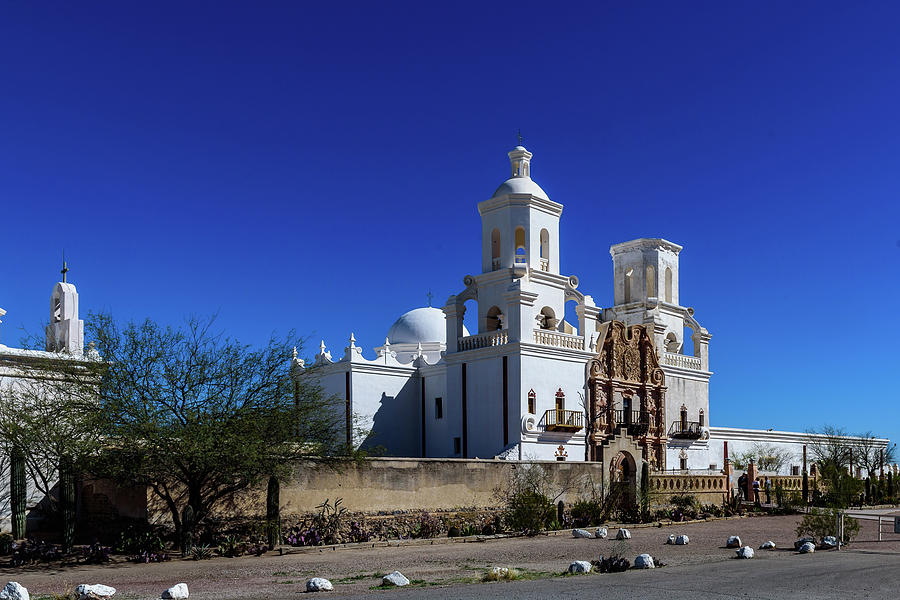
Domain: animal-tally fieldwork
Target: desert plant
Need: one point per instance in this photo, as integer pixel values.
(17, 492)
(428, 526)
(187, 529)
(502, 574)
(95, 553)
(822, 522)
(231, 547)
(588, 512)
(67, 502)
(273, 512)
(645, 491)
(529, 512)
(203, 552)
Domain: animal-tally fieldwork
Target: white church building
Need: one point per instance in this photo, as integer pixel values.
(518, 386)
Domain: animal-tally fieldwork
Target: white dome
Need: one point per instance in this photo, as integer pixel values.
(424, 325)
(520, 185)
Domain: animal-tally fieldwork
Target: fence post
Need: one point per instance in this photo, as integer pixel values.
(879, 528)
(837, 527)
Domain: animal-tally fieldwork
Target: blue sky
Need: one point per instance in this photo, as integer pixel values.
(317, 167)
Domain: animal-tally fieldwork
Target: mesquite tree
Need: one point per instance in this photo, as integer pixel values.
(67, 503)
(198, 417)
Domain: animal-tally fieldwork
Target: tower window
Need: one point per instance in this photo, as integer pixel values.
(627, 285)
(438, 408)
(669, 285)
(545, 244)
(702, 418)
(684, 464)
(651, 281)
(532, 401)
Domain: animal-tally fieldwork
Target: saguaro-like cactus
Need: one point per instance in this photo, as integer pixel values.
(67, 503)
(273, 513)
(17, 492)
(187, 529)
(868, 491)
(645, 491)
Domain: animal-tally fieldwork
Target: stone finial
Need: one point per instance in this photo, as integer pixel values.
(322, 347)
(294, 353)
(352, 340)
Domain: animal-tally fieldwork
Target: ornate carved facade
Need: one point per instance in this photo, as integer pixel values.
(627, 393)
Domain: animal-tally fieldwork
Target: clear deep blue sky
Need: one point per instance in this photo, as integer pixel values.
(317, 167)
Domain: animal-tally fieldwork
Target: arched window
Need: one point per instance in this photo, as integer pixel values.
(669, 285)
(560, 400)
(545, 250)
(532, 402)
(702, 418)
(651, 281)
(684, 421)
(494, 319)
(672, 343)
(495, 249)
(520, 245)
(627, 285)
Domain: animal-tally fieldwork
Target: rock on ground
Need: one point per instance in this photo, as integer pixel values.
(396, 579)
(671, 539)
(807, 547)
(682, 540)
(500, 572)
(804, 540)
(623, 534)
(733, 542)
(582, 533)
(179, 591)
(580, 566)
(829, 541)
(319, 584)
(770, 545)
(644, 561)
(94, 591)
(601, 533)
(14, 591)
(745, 552)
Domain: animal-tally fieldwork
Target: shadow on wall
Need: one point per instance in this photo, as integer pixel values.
(395, 427)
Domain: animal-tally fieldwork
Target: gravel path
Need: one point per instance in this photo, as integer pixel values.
(357, 570)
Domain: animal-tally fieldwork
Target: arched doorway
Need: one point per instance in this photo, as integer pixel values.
(623, 478)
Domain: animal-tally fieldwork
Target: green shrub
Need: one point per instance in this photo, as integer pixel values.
(822, 522)
(529, 512)
(587, 512)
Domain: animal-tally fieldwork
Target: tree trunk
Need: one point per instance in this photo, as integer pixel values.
(17, 493)
(187, 530)
(273, 513)
(67, 503)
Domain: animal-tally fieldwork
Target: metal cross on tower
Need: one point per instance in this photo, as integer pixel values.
(430, 296)
(65, 268)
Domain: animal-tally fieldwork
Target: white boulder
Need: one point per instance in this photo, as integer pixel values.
(733, 542)
(580, 566)
(644, 561)
(623, 534)
(807, 547)
(94, 591)
(14, 591)
(829, 541)
(601, 533)
(745, 552)
(500, 572)
(804, 540)
(317, 584)
(179, 591)
(671, 539)
(770, 545)
(395, 579)
(582, 533)
(682, 540)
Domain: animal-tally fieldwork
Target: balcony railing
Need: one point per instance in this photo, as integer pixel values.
(563, 420)
(691, 430)
(521, 259)
(548, 337)
(483, 340)
(681, 360)
(495, 264)
(545, 264)
(634, 420)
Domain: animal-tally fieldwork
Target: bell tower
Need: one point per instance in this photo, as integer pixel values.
(65, 333)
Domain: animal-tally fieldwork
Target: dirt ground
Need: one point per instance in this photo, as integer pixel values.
(357, 570)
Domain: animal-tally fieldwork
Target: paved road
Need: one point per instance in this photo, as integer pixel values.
(823, 575)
